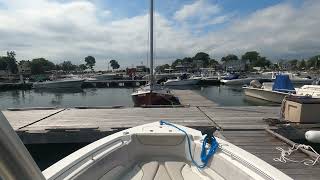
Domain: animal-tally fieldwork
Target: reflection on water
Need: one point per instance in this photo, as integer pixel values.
(66, 98)
(230, 96)
(222, 95)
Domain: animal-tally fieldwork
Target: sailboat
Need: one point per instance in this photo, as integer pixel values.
(153, 94)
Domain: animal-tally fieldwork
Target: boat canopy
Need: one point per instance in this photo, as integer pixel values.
(283, 83)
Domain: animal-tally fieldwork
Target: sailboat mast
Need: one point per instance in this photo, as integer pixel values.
(151, 44)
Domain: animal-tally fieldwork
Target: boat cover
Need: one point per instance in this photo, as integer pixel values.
(232, 76)
(283, 83)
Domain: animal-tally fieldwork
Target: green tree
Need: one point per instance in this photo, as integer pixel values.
(314, 62)
(114, 64)
(176, 62)
(9, 62)
(41, 65)
(255, 59)
(252, 56)
(90, 61)
(161, 68)
(204, 57)
(293, 64)
(83, 67)
(229, 57)
(213, 63)
(68, 66)
(302, 64)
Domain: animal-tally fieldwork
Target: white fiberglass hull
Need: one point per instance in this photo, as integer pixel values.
(237, 81)
(268, 95)
(58, 84)
(183, 82)
(309, 90)
(154, 151)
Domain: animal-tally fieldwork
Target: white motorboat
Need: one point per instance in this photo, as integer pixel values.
(59, 84)
(295, 79)
(182, 81)
(309, 90)
(273, 92)
(240, 81)
(161, 151)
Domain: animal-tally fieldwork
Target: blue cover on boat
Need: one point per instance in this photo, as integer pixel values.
(283, 83)
(232, 76)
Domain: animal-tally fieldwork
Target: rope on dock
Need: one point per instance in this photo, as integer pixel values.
(302, 147)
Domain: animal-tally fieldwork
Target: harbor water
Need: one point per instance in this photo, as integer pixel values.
(222, 95)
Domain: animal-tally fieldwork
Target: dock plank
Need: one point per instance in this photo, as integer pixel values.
(18, 119)
(189, 97)
(267, 151)
(247, 117)
(120, 118)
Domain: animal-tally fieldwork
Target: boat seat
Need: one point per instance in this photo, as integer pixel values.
(160, 170)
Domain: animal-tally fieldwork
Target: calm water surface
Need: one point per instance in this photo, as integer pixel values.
(222, 95)
(47, 154)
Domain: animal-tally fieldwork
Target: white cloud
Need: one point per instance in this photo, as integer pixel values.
(200, 8)
(72, 30)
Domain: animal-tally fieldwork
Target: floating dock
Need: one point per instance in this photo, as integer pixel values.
(242, 126)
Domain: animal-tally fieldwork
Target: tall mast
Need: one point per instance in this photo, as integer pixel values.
(151, 44)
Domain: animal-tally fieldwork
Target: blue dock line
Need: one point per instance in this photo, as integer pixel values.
(205, 157)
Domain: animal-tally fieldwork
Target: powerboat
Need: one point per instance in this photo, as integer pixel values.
(295, 78)
(161, 150)
(59, 84)
(233, 79)
(153, 94)
(183, 81)
(273, 92)
(309, 90)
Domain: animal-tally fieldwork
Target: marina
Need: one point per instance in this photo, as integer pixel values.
(243, 126)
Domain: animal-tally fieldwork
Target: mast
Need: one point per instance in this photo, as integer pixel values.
(151, 45)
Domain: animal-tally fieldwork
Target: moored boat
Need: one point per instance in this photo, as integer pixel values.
(59, 84)
(153, 94)
(273, 92)
(183, 81)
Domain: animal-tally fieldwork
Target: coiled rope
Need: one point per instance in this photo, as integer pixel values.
(284, 157)
(205, 157)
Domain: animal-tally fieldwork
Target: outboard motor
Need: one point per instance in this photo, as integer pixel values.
(255, 84)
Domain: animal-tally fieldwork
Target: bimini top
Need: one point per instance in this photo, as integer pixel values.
(283, 83)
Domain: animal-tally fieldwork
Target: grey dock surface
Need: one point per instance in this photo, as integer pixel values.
(189, 97)
(242, 126)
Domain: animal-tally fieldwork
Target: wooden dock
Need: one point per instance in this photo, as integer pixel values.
(242, 126)
(191, 98)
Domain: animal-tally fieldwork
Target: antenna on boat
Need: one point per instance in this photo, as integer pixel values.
(151, 44)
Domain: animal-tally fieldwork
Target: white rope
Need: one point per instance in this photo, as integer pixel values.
(284, 157)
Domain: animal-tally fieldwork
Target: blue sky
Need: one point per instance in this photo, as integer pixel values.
(107, 29)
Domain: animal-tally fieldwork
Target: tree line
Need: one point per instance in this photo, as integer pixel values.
(42, 65)
(250, 58)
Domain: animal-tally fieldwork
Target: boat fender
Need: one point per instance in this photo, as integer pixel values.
(205, 154)
(313, 136)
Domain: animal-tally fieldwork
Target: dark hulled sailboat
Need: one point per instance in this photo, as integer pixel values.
(153, 94)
